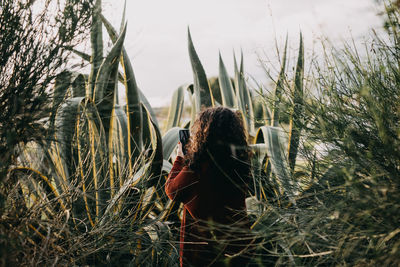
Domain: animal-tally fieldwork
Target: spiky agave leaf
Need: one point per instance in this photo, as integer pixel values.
(80, 152)
(243, 95)
(297, 115)
(157, 155)
(133, 109)
(279, 88)
(120, 146)
(169, 141)
(65, 123)
(201, 88)
(176, 108)
(78, 86)
(149, 109)
(229, 98)
(106, 82)
(276, 141)
(96, 39)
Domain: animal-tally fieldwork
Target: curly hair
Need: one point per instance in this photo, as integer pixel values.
(219, 139)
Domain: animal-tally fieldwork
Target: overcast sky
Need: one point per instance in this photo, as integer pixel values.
(156, 38)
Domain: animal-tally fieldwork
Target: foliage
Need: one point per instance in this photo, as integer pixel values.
(348, 214)
(33, 36)
(98, 175)
(325, 162)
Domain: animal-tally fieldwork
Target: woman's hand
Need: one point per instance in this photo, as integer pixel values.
(179, 150)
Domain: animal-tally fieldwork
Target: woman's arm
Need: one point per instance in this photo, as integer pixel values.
(181, 182)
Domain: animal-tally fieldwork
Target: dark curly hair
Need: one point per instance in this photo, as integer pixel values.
(219, 139)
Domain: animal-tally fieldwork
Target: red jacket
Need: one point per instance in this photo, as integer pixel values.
(208, 218)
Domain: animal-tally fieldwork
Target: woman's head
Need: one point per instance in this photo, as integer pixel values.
(218, 137)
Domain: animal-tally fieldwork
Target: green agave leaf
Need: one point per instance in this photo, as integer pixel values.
(243, 95)
(81, 54)
(146, 103)
(167, 166)
(260, 112)
(96, 39)
(176, 107)
(133, 98)
(152, 136)
(202, 91)
(65, 123)
(86, 57)
(169, 141)
(61, 86)
(123, 18)
(78, 85)
(228, 96)
(157, 157)
(106, 83)
(120, 145)
(108, 71)
(80, 146)
(278, 88)
(275, 140)
(148, 140)
(296, 121)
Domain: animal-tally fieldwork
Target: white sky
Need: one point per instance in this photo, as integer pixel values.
(156, 38)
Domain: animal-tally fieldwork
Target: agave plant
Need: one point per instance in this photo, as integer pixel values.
(235, 95)
(105, 160)
(275, 149)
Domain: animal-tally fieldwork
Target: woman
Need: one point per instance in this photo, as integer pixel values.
(211, 181)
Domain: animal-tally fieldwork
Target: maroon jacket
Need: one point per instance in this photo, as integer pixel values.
(204, 207)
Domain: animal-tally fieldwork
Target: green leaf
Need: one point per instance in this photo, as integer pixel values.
(227, 93)
(96, 39)
(276, 142)
(157, 157)
(123, 18)
(65, 123)
(278, 88)
(146, 103)
(78, 85)
(296, 121)
(120, 145)
(83, 55)
(202, 91)
(176, 107)
(169, 141)
(147, 130)
(243, 95)
(106, 82)
(61, 87)
(133, 99)
(167, 166)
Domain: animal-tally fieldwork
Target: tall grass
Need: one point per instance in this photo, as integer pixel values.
(348, 215)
